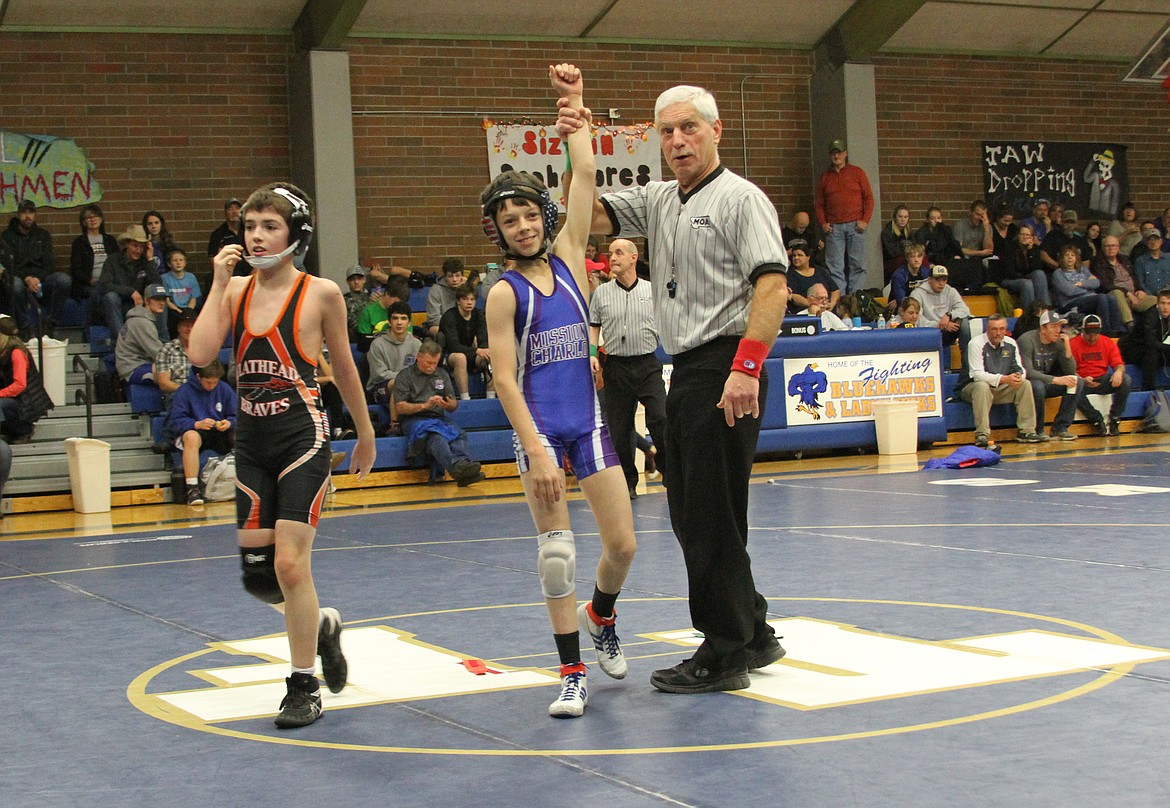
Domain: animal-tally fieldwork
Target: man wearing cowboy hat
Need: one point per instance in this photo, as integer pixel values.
(124, 275)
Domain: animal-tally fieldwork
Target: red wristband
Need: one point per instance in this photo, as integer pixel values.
(750, 357)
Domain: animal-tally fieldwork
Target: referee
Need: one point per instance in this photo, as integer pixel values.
(622, 312)
(717, 268)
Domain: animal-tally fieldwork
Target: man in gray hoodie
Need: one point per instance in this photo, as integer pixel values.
(138, 343)
(390, 352)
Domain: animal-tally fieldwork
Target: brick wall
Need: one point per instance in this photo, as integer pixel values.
(180, 123)
(934, 113)
(172, 122)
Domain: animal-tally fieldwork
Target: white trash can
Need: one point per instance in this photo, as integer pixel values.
(53, 370)
(896, 423)
(89, 474)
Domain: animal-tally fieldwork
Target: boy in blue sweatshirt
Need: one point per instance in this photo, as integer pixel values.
(203, 416)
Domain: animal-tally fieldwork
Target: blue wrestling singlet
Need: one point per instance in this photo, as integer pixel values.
(554, 375)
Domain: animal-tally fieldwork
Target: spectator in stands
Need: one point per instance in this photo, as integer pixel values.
(907, 277)
(172, 368)
(373, 318)
(1039, 221)
(995, 375)
(595, 255)
(1126, 224)
(942, 306)
(124, 275)
(844, 206)
(27, 250)
(390, 352)
(1152, 269)
(895, 239)
(938, 239)
(229, 233)
(818, 306)
(1140, 248)
(1100, 364)
(1163, 224)
(138, 343)
(332, 401)
(908, 313)
(1119, 281)
(1093, 236)
(1155, 355)
(487, 279)
(1004, 230)
(423, 398)
(1020, 270)
(162, 243)
(1052, 372)
(464, 330)
(23, 400)
(974, 232)
(1029, 320)
(1060, 237)
(800, 226)
(1056, 214)
(802, 275)
(442, 295)
(356, 299)
(183, 290)
(1074, 288)
(89, 253)
(202, 417)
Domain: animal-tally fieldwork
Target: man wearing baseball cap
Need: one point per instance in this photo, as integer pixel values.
(844, 206)
(26, 249)
(138, 342)
(1061, 236)
(1100, 364)
(1052, 372)
(357, 298)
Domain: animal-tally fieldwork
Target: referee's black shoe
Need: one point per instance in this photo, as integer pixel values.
(764, 655)
(302, 704)
(690, 676)
(333, 663)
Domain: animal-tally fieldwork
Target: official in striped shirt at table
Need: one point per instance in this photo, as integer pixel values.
(718, 271)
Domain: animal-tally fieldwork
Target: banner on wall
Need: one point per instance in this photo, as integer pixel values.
(627, 156)
(837, 389)
(1090, 178)
(53, 172)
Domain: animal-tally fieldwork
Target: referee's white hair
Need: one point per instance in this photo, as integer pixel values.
(697, 97)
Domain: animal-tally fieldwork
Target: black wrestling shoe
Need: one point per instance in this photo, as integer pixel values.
(762, 657)
(302, 705)
(333, 664)
(690, 676)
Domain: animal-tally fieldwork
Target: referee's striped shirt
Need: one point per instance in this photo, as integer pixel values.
(714, 242)
(626, 318)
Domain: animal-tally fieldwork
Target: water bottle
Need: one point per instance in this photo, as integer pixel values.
(881, 321)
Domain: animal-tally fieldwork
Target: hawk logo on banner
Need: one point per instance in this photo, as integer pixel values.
(627, 156)
(1090, 178)
(52, 172)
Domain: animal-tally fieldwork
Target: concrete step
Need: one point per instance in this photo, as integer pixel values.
(74, 427)
(60, 485)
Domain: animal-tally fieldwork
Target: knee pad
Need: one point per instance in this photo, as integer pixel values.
(260, 573)
(556, 561)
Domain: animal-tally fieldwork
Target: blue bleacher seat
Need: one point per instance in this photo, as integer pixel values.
(144, 398)
(73, 313)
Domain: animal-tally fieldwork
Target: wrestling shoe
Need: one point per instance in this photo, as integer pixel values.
(574, 696)
(690, 676)
(762, 657)
(605, 640)
(333, 664)
(302, 704)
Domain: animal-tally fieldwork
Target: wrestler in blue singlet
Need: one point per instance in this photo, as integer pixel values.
(555, 378)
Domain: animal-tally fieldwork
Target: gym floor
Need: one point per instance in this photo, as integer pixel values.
(995, 636)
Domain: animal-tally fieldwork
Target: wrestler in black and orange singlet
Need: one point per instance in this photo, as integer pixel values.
(282, 443)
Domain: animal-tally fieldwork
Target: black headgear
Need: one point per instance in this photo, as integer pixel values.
(300, 224)
(517, 185)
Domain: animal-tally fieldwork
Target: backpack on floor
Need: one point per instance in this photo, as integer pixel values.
(1156, 417)
(219, 478)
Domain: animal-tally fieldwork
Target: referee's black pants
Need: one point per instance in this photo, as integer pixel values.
(629, 380)
(708, 466)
